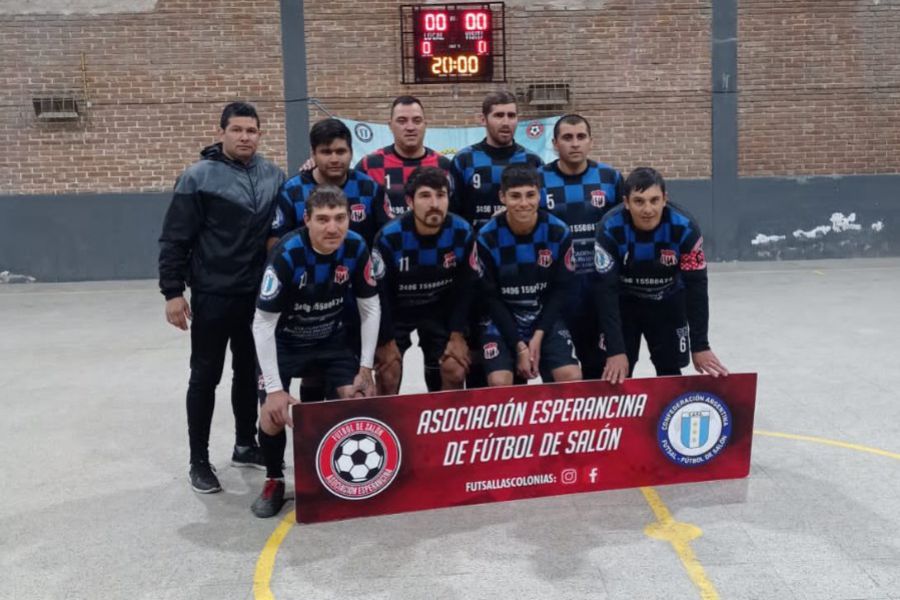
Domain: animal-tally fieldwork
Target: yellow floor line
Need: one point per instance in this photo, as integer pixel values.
(266, 562)
(827, 442)
(679, 535)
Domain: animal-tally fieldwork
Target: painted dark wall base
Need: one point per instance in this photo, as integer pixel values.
(82, 237)
(114, 236)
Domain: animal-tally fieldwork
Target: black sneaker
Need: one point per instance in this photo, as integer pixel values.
(248, 456)
(270, 501)
(203, 478)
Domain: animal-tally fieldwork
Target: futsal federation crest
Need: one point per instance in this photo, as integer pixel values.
(694, 428)
(358, 458)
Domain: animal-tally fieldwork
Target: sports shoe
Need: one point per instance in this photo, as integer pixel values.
(248, 456)
(203, 478)
(270, 501)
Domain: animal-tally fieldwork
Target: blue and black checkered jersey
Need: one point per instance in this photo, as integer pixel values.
(310, 289)
(524, 277)
(650, 266)
(476, 173)
(364, 197)
(580, 201)
(424, 275)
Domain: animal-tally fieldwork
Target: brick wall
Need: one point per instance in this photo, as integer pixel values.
(819, 81)
(820, 87)
(156, 80)
(637, 69)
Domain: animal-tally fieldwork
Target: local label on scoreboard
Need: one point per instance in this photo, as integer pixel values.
(455, 42)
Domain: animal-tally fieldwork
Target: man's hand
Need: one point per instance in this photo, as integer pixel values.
(616, 369)
(534, 351)
(363, 383)
(387, 354)
(178, 312)
(707, 362)
(523, 361)
(276, 412)
(458, 350)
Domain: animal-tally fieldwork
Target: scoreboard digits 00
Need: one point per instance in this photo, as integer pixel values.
(452, 43)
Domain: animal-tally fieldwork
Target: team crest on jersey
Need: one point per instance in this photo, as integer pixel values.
(491, 350)
(668, 257)
(534, 130)
(603, 262)
(568, 259)
(450, 260)
(341, 275)
(598, 198)
(474, 262)
(377, 264)
(270, 284)
(358, 213)
(367, 273)
(545, 258)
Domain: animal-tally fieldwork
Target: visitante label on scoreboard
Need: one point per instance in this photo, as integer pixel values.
(375, 456)
(454, 42)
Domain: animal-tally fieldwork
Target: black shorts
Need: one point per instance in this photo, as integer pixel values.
(663, 323)
(331, 358)
(556, 351)
(433, 336)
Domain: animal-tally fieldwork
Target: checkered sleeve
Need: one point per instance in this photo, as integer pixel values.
(456, 178)
(692, 266)
(605, 289)
(463, 286)
(285, 219)
(274, 291)
(385, 271)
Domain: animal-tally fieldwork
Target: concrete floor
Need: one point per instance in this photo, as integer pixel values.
(96, 504)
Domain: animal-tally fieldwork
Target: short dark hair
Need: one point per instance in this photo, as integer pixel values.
(237, 109)
(643, 178)
(495, 98)
(432, 177)
(570, 119)
(517, 176)
(405, 101)
(326, 131)
(325, 196)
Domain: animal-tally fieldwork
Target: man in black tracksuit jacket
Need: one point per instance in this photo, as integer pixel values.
(214, 240)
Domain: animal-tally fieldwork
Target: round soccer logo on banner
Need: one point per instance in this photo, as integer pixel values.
(358, 458)
(694, 428)
(363, 132)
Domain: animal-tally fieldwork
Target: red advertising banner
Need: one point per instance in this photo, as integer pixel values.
(374, 456)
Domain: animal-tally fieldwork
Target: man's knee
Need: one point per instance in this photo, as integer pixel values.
(453, 375)
(498, 378)
(567, 373)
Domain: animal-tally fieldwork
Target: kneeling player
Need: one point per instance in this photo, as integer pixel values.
(526, 267)
(421, 259)
(299, 329)
(651, 281)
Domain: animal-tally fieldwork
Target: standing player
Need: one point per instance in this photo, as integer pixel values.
(214, 239)
(525, 261)
(651, 281)
(392, 165)
(299, 327)
(579, 192)
(422, 261)
(477, 168)
(332, 150)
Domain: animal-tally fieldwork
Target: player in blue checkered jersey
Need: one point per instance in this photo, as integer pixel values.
(299, 326)
(651, 281)
(477, 169)
(580, 191)
(422, 261)
(332, 151)
(524, 258)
